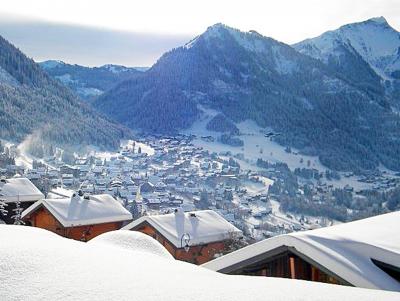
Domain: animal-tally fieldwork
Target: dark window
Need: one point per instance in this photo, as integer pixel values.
(389, 269)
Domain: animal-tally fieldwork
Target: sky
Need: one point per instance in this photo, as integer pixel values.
(136, 33)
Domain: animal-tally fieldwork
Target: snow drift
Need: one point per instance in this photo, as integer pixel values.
(39, 265)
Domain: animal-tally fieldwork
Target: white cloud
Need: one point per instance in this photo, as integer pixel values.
(285, 20)
(88, 32)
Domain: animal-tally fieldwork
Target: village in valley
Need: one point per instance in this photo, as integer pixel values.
(158, 174)
(221, 210)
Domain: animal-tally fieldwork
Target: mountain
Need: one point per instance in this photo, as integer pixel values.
(89, 82)
(245, 75)
(367, 52)
(33, 102)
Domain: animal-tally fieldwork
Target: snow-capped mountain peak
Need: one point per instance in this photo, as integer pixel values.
(374, 40)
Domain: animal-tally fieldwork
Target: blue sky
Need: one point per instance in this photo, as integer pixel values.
(136, 33)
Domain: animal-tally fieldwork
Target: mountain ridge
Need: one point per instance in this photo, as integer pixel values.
(88, 82)
(32, 102)
(245, 75)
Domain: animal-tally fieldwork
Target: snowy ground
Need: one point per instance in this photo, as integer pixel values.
(256, 145)
(125, 144)
(144, 147)
(122, 265)
(23, 158)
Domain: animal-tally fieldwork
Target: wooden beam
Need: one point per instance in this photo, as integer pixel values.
(314, 273)
(292, 267)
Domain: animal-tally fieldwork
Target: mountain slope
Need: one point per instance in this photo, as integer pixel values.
(249, 76)
(33, 102)
(88, 82)
(373, 40)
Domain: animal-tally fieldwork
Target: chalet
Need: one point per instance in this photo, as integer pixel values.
(194, 237)
(147, 187)
(78, 217)
(68, 169)
(16, 190)
(364, 253)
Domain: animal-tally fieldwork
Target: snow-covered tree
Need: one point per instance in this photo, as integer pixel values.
(3, 210)
(17, 214)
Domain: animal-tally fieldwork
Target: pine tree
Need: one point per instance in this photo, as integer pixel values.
(17, 214)
(3, 210)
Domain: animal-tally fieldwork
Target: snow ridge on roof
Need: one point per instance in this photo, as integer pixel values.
(345, 249)
(79, 211)
(202, 226)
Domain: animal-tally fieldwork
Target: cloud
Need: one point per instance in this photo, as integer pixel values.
(89, 46)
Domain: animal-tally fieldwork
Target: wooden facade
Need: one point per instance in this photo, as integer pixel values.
(42, 218)
(289, 264)
(198, 254)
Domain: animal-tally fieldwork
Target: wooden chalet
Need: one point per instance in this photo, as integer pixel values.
(194, 237)
(364, 253)
(78, 217)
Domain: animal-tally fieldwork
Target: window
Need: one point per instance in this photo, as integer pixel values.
(389, 269)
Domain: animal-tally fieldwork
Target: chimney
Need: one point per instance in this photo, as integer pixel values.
(75, 199)
(3, 181)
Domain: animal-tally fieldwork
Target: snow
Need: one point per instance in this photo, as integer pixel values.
(60, 193)
(77, 211)
(51, 64)
(345, 249)
(66, 79)
(191, 43)
(128, 144)
(88, 91)
(251, 41)
(145, 149)
(205, 227)
(7, 78)
(254, 141)
(133, 241)
(39, 265)
(19, 189)
(374, 40)
(283, 65)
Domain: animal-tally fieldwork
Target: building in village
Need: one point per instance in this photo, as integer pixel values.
(195, 237)
(364, 253)
(78, 217)
(17, 190)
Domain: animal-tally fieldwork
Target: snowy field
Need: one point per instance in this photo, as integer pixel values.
(256, 145)
(128, 144)
(122, 265)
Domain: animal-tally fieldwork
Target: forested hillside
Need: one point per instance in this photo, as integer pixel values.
(31, 101)
(88, 82)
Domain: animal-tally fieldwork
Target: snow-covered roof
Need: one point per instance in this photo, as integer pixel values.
(39, 265)
(19, 189)
(345, 249)
(202, 226)
(59, 193)
(78, 211)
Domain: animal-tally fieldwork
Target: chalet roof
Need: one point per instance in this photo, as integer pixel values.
(204, 227)
(346, 250)
(22, 189)
(79, 211)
